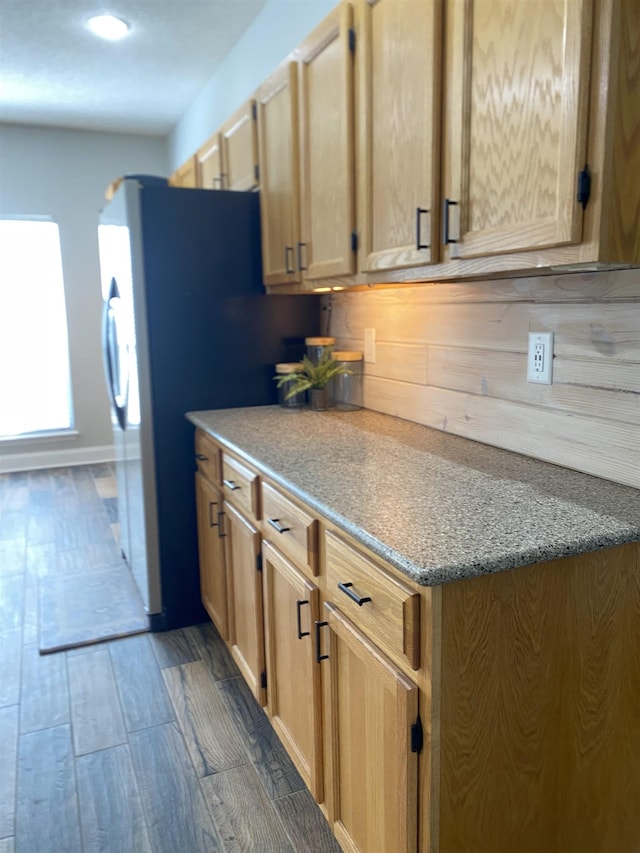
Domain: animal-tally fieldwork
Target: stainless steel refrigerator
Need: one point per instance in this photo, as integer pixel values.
(186, 326)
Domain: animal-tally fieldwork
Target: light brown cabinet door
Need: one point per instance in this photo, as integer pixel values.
(210, 166)
(291, 607)
(372, 706)
(326, 146)
(213, 580)
(240, 149)
(516, 80)
(244, 585)
(277, 102)
(186, 175)
(398, 58)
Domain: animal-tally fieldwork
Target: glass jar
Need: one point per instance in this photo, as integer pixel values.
(297, 400)
(346, 388)
(316, 346)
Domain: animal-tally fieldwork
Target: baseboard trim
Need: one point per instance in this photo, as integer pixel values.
(38, 459)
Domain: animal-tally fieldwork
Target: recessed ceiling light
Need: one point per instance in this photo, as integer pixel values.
(108, 27)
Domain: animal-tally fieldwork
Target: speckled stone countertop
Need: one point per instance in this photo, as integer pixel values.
(437, 507)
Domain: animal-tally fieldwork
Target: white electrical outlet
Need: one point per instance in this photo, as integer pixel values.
(370, 345)
(540, 358)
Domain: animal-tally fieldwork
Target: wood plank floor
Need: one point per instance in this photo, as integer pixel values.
(147, 744)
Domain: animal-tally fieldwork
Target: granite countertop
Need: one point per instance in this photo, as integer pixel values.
(437, 507)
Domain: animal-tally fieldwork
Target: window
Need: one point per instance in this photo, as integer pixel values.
(35, 383)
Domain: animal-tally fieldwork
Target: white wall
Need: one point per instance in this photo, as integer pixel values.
(278, 28)
(63, 174)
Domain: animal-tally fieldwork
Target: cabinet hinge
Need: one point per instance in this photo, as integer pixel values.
(256, 172)
(416, 736)
(352, 40)
(259, 562)
(584, 186)
(354, 241)
(254, 111)
(263, 678)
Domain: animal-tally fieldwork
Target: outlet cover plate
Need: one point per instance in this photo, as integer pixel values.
(540, 358)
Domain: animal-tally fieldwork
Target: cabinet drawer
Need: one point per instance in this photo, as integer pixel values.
(290, 528)
(382, 607)
(208, 457)
(240, 485)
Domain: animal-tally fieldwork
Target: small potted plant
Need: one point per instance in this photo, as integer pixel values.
(313, 378)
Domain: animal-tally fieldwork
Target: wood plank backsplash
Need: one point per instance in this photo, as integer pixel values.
(453, 357)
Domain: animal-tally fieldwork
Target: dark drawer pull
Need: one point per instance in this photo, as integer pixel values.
(299, 604)
(231, 485)
(213, 523)
(320, 657)
(275, 523)
(447, 203)
(219, 525)
(201, 457)
(300, 248)
(346, 588)
(419, 243)
(289, 268)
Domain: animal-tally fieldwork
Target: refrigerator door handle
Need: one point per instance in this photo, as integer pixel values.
(109, 353)
(106, 343)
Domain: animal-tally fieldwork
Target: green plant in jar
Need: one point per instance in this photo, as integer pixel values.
(310, 376)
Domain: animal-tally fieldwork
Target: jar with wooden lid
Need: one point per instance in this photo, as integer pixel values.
(295, 401)
(316, 347)
(345, 391)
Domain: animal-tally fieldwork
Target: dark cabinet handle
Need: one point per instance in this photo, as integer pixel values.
(419, 243)
(231, 485)
(320, 657)
(346, 588)
(287, 249)
(447, 203)
(275, 523)
(212, 523)
(219, 525)
(299, 604)
(201, 457)
(300, 247)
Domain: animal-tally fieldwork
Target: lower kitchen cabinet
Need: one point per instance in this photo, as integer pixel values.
(291, 609)
(526, 682)
(246, 626)
(213, 576)
(372, 708)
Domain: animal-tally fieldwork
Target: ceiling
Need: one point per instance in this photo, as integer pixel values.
(53, 71)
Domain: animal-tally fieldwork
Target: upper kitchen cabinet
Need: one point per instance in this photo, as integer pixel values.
(325, 64)
(277, 105)
(398, 132)
(540, 139)
(186, 175)
(515, 133)
(209, 160)
(229, 159)
(239, 140)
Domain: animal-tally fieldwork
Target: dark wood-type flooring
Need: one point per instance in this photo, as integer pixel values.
(147, 743)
